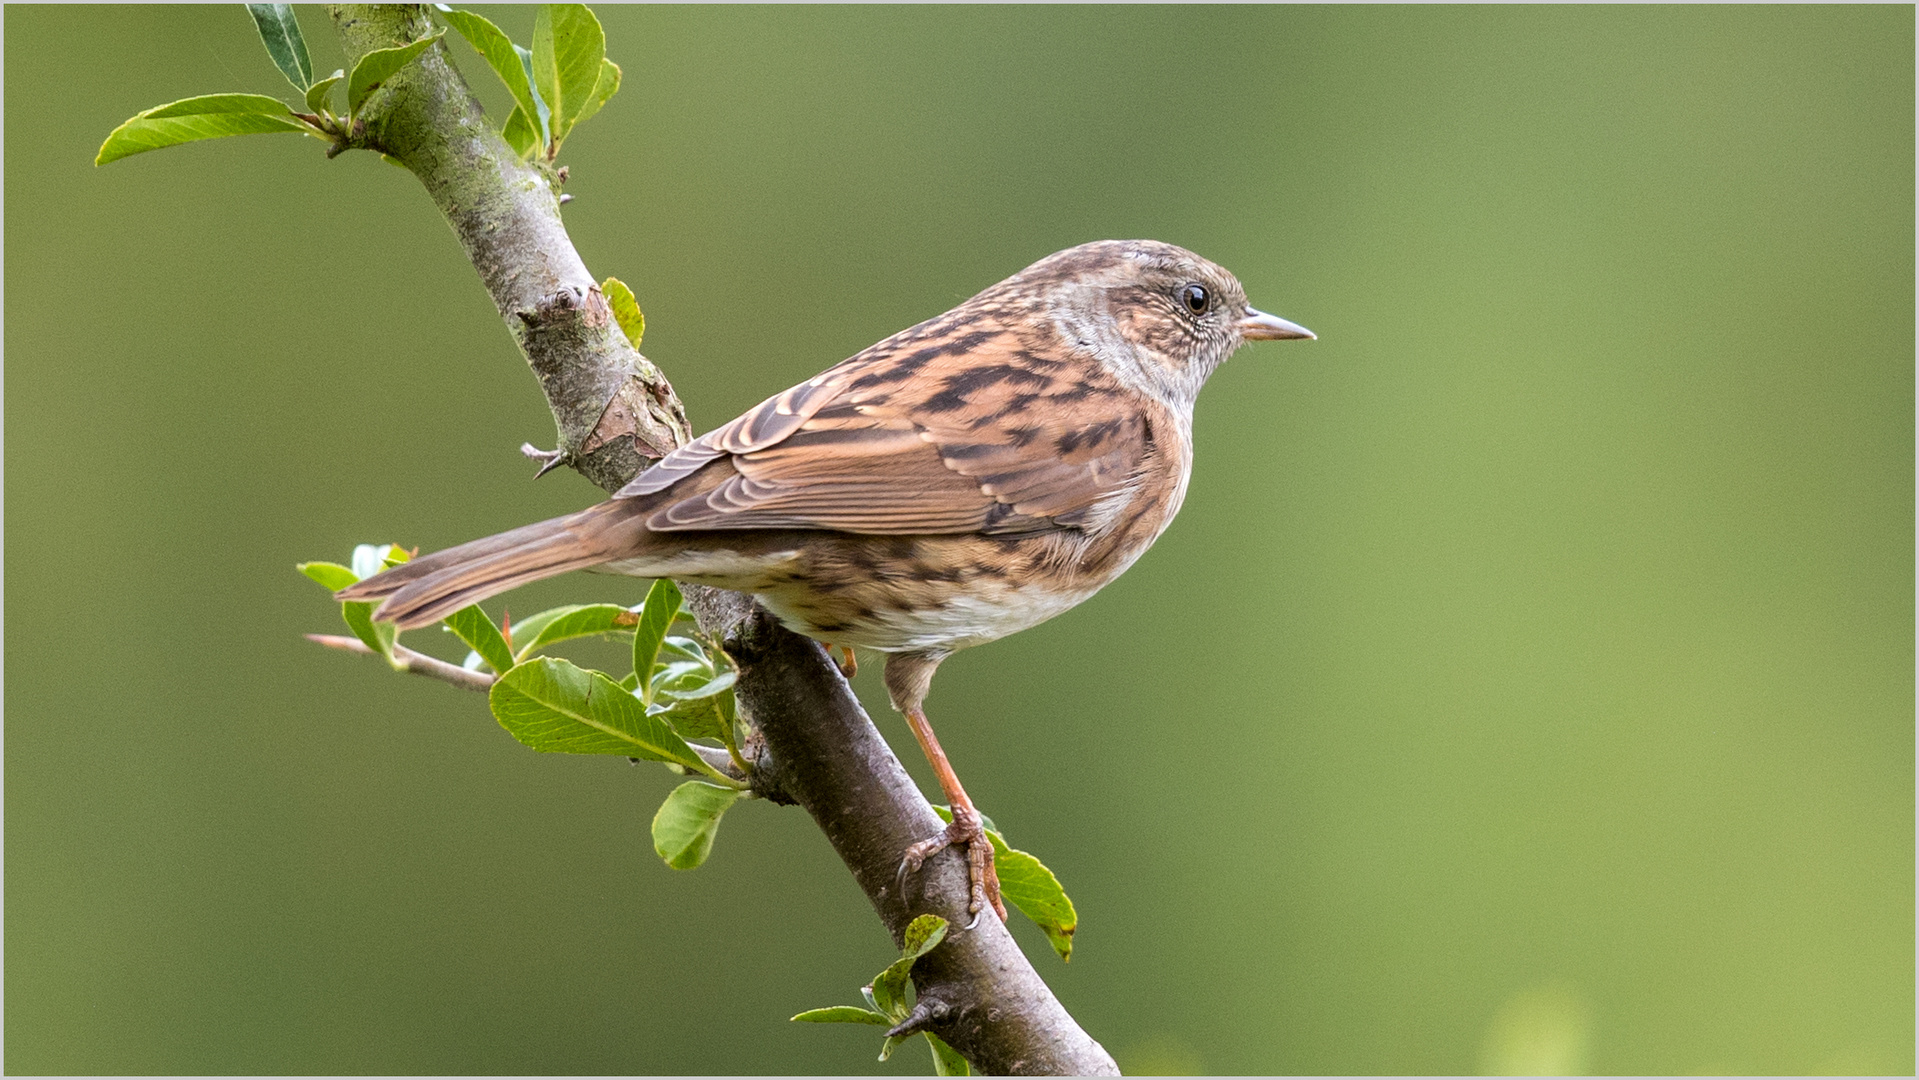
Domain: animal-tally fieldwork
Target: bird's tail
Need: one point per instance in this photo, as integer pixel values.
(434, 586)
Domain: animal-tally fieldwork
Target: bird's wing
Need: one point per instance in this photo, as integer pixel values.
(937, 430)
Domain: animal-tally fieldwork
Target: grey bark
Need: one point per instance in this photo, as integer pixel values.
(815, 746)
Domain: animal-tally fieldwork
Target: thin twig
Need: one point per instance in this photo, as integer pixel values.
(413, 663)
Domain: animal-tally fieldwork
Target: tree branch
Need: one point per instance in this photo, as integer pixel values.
(614, 411)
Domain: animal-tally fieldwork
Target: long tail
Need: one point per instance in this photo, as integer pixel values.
(434, 586)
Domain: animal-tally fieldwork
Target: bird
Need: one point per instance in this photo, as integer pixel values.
(962, 480)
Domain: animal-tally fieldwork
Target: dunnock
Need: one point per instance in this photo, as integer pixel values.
(963, 479)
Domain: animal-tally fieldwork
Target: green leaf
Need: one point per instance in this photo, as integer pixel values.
(695, 720)
(541, 110)
(358, 614)
(376, 67)
(568, 46)
(472, 626)
(842, 1014)
(889, 989)
(892, 1041)
(519, 134)
(281, 33)
(946, 1060)
(656, 618)
(332, 575)
(211, 116)
(683, 830)
(582, 620)
(922, 936)
(378, 636)
(688, 648)
(556, 707)
(683, 674)
(625, 309)
(1029, 886)
(603, 90)
(718, 684)
(500, 54)
(319, 92)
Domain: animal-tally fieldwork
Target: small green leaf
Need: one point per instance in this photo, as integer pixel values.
(556, 707)
(922, 936)
(378, 636)
(358, 614)
(332, 575)
(499, 53)
(686, 647)
(211, 116)
(568, 46)
(472, 626)
(603, 90)
(376, 67)
(892, 1041)
(718, 684)
(281, 33)
(946, 1060)
(583, 620)
(842, 1014)
(319, 92)
(1029, 886)
(700, 719)
(519, 134)
(541, 110)
(626, 310)
(683, 830)
(656, 618)
(683, 674)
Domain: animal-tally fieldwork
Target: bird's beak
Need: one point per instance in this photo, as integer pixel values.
(1259, 326)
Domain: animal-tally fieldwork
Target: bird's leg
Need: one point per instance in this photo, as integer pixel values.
(849, 664)
(965, 828)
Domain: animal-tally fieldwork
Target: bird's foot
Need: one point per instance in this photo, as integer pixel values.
(982, 878)
(849, 664)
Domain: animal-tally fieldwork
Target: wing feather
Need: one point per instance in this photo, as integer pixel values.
(912, 438)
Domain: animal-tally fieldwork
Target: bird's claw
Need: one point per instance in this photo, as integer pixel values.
(982, 877)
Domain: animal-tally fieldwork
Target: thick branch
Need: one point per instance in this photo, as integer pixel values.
(613, 408)
(817, 746)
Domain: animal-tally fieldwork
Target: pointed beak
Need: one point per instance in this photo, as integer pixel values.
(1259, 326)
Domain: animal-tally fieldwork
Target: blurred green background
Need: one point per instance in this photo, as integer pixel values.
(1528, 683)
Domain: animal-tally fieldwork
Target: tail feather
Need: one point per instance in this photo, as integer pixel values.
(434, 586)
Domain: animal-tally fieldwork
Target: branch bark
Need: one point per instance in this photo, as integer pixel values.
(614, 412)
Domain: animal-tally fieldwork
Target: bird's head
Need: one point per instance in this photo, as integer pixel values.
(1161, 317)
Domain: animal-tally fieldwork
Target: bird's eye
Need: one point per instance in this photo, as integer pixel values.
(1197, 298)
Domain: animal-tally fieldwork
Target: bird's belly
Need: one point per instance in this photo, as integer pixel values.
(913, 616)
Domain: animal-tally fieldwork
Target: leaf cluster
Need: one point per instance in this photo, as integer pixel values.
(678, 695)
(888, 1002)
(557, 84)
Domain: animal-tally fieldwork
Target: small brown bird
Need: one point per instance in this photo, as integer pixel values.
(964, 479)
